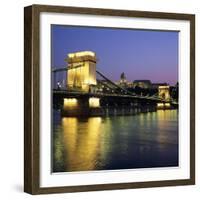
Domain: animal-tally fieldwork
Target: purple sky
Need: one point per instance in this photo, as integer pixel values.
(140, 54)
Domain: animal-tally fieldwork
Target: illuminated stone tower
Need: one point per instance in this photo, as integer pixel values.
(163, 92)
(81, 70)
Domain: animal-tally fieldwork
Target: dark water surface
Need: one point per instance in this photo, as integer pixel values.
(117, 142)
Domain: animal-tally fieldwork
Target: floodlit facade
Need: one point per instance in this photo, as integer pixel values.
(163, 92)
(70, 103)
(81, 70)
(94, 102)
(145, 84)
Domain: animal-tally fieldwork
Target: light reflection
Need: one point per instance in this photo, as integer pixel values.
(96, 143)
(80, 144)
(70, 126)
(58, 154)
(164, 123)
(141, 119)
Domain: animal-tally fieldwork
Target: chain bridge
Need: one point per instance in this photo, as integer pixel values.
(87, 91)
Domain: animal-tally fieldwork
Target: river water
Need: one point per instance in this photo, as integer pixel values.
(144, 140)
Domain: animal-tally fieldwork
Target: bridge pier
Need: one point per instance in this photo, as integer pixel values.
(93, 106)
(163, 106)
(84, 106)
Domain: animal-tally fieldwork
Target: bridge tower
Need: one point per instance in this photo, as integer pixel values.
(164, 94)
(81, 73)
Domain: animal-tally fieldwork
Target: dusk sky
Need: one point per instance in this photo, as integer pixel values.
(140, 54)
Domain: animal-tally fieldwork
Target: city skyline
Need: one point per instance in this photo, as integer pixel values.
(121, 50)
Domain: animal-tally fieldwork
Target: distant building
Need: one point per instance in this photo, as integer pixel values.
(129, 84)
(145, 84)
(122, 78)
(156, 85)
(123, 81)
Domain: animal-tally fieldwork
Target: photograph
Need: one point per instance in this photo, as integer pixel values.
(109, 99)
(114, 98)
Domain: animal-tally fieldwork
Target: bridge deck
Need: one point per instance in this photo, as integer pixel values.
(68, 93)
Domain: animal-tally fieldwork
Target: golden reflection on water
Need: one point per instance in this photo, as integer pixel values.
(159, 124)
(165, 120)
(111, 142)
(80, 142)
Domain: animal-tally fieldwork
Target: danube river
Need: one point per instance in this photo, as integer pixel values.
(117, 142)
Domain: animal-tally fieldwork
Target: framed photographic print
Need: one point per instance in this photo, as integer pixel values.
(109, 99)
